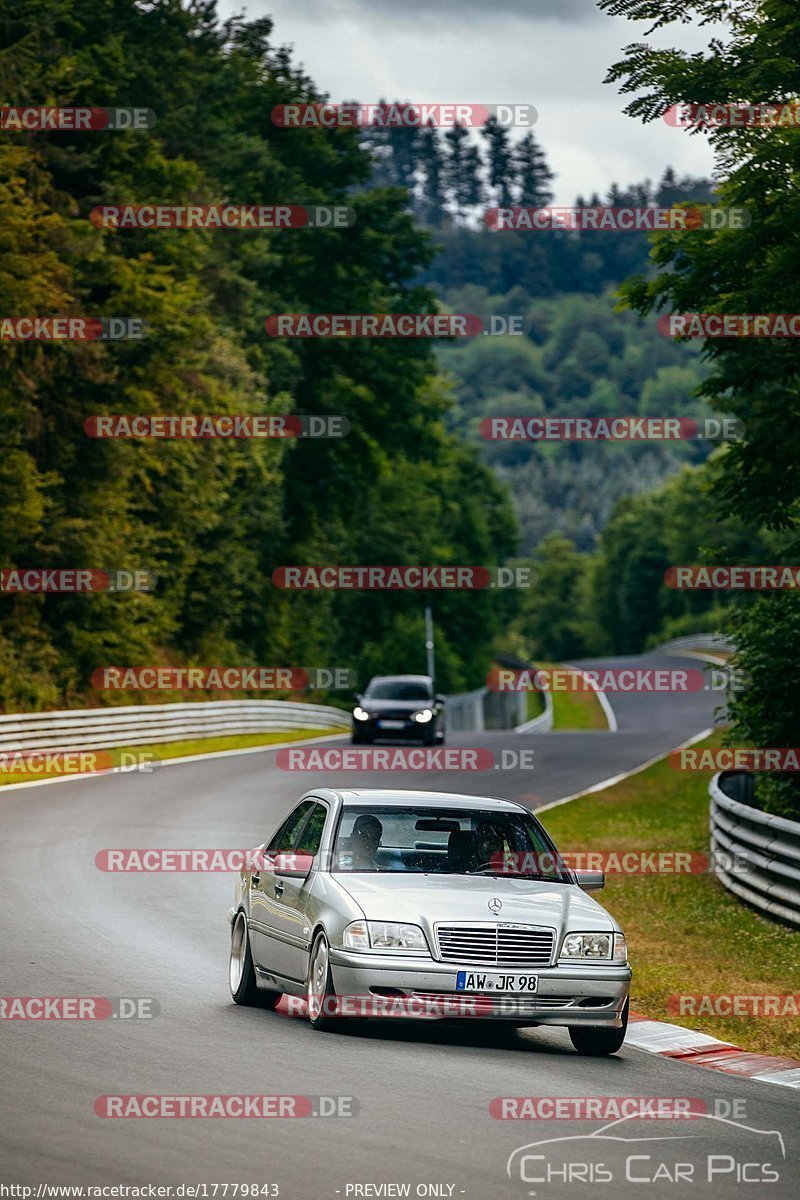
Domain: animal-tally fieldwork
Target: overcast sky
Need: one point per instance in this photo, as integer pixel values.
(549, 53)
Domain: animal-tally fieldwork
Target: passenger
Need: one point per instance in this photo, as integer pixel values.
(491, 844)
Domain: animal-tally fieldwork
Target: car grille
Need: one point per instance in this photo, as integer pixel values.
(496, 945)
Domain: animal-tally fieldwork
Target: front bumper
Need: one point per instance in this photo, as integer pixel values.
(568, 995)
(410, 731)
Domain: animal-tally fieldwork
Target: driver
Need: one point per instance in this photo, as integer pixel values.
(365, 840)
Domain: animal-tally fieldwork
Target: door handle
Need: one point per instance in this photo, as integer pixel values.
(255, 879)
(278, 888)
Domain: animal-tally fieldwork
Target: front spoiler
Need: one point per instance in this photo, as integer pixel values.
(569, 987)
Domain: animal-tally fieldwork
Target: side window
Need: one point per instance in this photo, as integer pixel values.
(284, 838)
(312, 834)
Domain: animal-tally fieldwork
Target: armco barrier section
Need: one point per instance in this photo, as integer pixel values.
(541, 724)
(136, 724)
(697, 641)
(763, 850)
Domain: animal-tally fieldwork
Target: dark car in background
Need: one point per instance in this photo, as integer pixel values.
(399, 706)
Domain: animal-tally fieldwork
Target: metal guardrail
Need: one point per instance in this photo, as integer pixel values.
(136, 724)
(697, 641)
(484, 709)
(541, 724)
(763, 851)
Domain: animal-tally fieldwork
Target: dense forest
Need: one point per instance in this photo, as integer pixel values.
(213, 519)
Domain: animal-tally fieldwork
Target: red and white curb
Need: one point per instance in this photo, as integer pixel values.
(702, 1050)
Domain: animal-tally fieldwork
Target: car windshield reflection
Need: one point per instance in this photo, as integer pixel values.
(449, 841)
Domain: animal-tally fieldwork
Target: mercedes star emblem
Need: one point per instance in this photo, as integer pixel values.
(495, 905)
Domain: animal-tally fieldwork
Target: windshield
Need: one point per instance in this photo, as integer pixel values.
(427, 840)
(398, 689)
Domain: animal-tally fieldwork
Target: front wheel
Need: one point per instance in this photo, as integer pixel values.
(242, 974)
(319, 991)
(599, 1042)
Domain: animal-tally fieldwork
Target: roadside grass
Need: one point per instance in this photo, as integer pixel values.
(686, 934)
(165, 750)
(577, 710)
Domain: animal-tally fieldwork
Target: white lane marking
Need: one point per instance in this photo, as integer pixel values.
(171, 762)
(605, 703)
(607, 783)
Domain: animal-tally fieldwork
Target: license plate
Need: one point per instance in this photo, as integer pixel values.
(391, 724)
(493, 981)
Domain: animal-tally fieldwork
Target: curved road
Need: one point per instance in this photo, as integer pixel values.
(423, 1090)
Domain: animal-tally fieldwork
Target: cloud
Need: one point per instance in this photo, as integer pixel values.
(450, 12)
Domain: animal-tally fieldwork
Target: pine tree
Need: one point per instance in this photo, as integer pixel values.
(462, 171)
(501, 167)
(534, 176)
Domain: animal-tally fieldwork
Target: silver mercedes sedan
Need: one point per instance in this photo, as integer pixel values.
(371, 903)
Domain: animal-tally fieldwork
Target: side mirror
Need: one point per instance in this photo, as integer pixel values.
(292, 866)
(590, 881)
(440, 699)
(357, 697)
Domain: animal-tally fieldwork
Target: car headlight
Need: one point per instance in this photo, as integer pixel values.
(588, 945)
(383, 935)
(360, 714)
(424, 716)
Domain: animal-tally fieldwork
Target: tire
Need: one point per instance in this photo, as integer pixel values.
(319, 986)
(599, 1042)
(242, 973)
(360, 740)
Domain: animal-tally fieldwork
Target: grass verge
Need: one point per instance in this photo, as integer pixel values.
(686, 934)
(577, 710)
(165, 750)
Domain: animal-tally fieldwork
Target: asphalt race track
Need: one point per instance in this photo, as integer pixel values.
(423, 1091)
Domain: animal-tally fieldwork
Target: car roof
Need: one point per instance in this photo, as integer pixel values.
(388, 797)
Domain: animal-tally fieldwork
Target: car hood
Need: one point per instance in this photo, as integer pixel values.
(428, 899)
